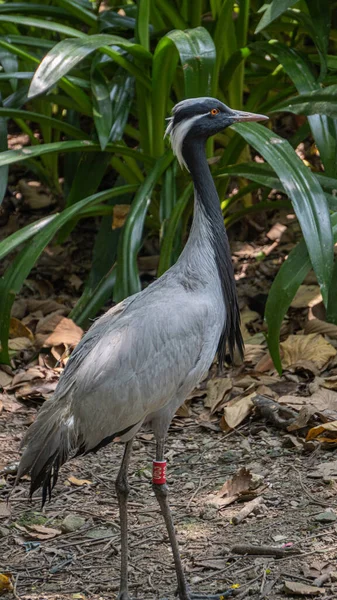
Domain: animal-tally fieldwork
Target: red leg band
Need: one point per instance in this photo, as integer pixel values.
(159, 471)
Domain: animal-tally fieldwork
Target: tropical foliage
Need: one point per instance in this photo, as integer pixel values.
(96, 81)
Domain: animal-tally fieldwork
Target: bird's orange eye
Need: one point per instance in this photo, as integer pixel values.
(215, 111)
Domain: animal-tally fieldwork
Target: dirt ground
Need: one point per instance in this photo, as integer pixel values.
(85, 563)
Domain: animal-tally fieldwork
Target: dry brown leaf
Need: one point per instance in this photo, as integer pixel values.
(247, 317)
(320, 401)
(233, 488)
(6, 584)
(120, 212)
(9, 403)
(184, 410)
(328, 428)
(5, 378)
(265, 363)
(18, 329)
(254, 353)
(39, 532)
(5, 510)
(307, 296)
(27, 375)
(46, 307)
(236, 411)
(217, 391)
(75, 281)
(34, 195)
(318, 326)
(329, 382)
(19, 343)
(301, 589)
(78, 482)
(312, 347)
(37, 388)
(65, 332)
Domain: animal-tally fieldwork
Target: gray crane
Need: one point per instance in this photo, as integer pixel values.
(140, 360)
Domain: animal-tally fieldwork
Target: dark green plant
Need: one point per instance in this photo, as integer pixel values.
(105, 83)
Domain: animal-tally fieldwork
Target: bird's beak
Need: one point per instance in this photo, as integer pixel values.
(239, 116)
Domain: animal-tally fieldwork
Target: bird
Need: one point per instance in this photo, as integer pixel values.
(138, 362)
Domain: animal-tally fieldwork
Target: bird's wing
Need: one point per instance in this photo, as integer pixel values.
(135, 364)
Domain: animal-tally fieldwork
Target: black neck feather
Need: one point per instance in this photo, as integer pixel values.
(205, 192)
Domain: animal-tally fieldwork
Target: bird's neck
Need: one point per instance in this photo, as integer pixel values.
(208, 237)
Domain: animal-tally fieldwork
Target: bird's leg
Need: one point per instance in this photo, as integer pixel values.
(161, 492)
(123, 489)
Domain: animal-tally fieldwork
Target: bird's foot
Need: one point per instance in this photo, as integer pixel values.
(123, 596)
(190, 596)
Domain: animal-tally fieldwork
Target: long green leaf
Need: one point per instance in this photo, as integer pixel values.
(321, 102)
(67, 54)
(322, 127)
(23, 235)
(284, 287)
(306, 194)
(13, 156)
(272, 11)
(11, 282)
(127, 281)
(40, 118)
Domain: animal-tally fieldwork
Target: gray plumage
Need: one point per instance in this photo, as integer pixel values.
(140, 360)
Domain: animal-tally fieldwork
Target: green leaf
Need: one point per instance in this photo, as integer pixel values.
(11, 282)
(43, 24)
(23, 235)
(272, 11)
(42, 119)
(196, 51)
(283, 290)
(322, 101)
(197, 55)
(322, 127)
(67, 54)
(127, 282)
(32, 9)
(166, 250)
(79, 12)
(306, 194)
(102, 108)
(13, 156)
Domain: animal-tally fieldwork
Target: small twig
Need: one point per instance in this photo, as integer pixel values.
(261, 550)
(306, 491)
(247, 510)
(195, 493)
(15, 586)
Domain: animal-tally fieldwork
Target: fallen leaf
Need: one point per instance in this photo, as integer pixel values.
(312, 347)
(35, 195)
(27, 375)
(79, 482)
(254, 353)
(233, 488)
(19, 343)
(5, 510)
(5, 379)
(184, 410)
(301, 589)
(46, 307)
(276, 231)
(120, 212)
(66, 332)
(315, 432)
(318, 326)
(236, 411)
(39, 532)
(9, 403)
(247, 317)
(75, 281)
(6, 584)
(217, 390)
(329, 382)
(306, 296)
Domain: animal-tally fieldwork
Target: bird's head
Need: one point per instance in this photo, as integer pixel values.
(199, 118)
